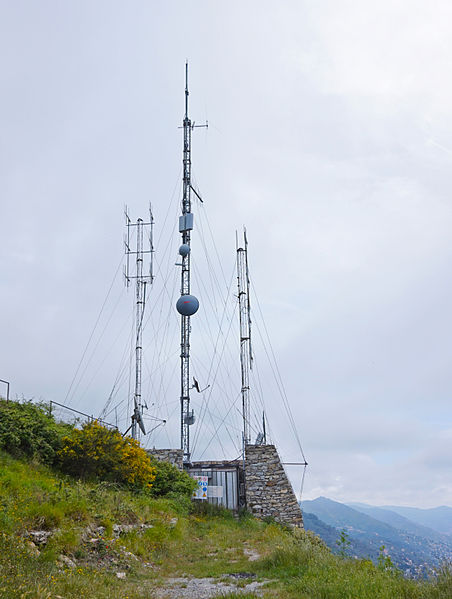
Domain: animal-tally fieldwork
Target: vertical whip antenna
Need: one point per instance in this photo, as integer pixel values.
(187, 304)
(187, 93)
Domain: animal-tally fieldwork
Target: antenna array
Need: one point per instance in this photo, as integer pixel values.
(143, 276)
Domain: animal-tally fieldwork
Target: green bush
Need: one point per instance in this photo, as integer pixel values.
(169, 480)
(95, 452)
(29, 430)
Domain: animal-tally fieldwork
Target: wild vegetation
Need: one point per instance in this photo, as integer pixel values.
(90, 452)
(66, 537)
(28, 430)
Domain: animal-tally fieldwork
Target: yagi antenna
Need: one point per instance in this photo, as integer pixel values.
(196, 386)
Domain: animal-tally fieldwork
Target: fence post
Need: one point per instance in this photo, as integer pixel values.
(7, 388)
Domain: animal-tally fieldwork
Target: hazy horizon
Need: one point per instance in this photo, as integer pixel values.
(349, 502)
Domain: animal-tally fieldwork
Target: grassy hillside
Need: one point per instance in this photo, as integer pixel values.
(85, 534)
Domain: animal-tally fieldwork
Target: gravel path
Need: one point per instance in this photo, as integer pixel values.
(204, 588)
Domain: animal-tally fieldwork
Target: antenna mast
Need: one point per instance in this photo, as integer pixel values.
(142, 278)
(187, 304)
(246, 354)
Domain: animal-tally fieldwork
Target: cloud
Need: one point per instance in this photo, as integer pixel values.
(330, 129)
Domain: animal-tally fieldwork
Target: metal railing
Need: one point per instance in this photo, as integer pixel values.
(85, 417)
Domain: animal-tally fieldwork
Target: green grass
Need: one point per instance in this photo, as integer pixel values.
(309, 570)
(182, 541)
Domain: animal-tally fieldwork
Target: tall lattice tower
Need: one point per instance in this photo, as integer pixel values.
(187, 304)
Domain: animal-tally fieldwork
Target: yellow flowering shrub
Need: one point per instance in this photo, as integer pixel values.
(96, 452)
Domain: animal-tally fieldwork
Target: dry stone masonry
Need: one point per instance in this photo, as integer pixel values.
(173, 456)
(268, 490)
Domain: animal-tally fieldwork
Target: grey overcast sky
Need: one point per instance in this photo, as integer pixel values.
(329, 136)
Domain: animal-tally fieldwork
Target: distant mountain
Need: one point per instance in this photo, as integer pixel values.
(331, 535)
(341, 516)
(438, 518)
(410, 551)
(391, 517)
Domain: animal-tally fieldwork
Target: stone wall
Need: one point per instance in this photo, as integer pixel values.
(174, 456)
(268, 490)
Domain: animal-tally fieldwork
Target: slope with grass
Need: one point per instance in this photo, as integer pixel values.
(87, 533)
(85, 513)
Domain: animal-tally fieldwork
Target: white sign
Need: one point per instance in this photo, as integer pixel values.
(215, 491)
(201, 491)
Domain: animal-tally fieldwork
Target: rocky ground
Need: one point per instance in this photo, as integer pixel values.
(119, 561)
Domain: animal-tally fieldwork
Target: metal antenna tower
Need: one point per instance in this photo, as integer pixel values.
(246, 354)
(187, 305)
(143, 276)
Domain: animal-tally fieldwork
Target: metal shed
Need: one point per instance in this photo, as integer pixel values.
(225, 483)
